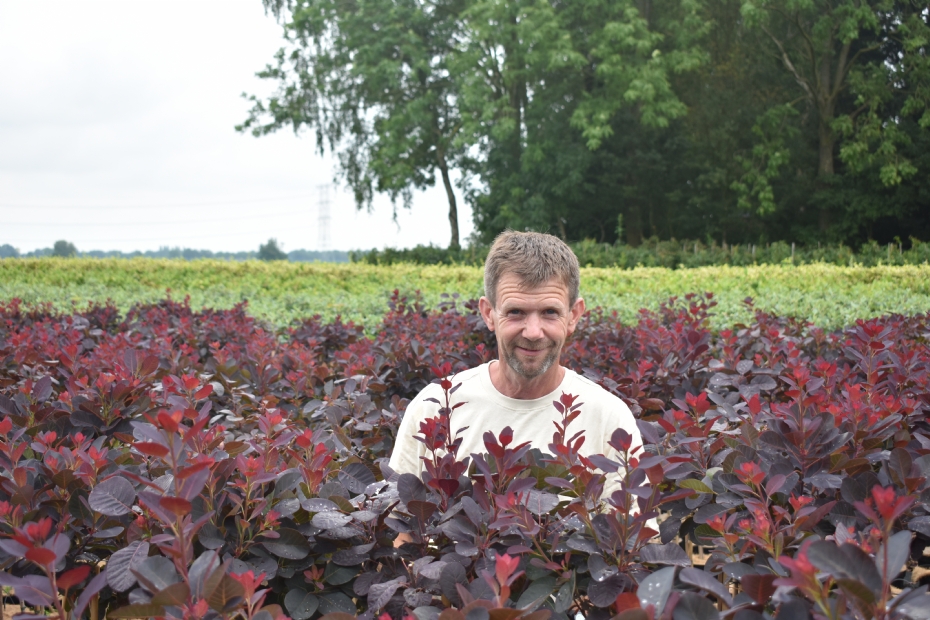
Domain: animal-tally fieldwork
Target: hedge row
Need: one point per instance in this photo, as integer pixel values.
(197, 464)
(674, 254)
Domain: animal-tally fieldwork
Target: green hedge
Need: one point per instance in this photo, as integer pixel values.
(678, 254)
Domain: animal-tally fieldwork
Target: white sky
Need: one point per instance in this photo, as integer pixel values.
(117, 133)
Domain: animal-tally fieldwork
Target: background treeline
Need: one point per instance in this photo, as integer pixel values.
(652, 252)
(741, 121)
(674, 254)
(65, 249)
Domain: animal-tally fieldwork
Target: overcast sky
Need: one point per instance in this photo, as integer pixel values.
(117, 133)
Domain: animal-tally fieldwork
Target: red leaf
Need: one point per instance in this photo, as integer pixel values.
(655, 474)
(40, 555)
(73, 577)
(447, 486)
(203, 392)
(759, 587)
(178, 505)
(506, 436)
(150, 448)
(627, 600)
(187, 472)
(169, 422)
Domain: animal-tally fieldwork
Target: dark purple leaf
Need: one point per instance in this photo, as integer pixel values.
(604, 593)
(410, 488)
(892, 555)
(156, 573)
(90, 590)
(290, 544)
(706, 581)
(355, 477)
(692, 606)
(655, 588)
(421, 510)
(118, 571)
(42, 389)
(845, 562)
(300, 604)
(35, 590)
(318, 504)
(380, 593)
(669, 553)
(113, 497)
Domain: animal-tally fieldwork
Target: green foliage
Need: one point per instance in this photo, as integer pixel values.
(736, 120)
(271, 251)
(280, 292)
(675, 254)
(64, 249)
(376, 81)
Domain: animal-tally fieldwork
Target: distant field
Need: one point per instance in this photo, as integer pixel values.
(828, 295)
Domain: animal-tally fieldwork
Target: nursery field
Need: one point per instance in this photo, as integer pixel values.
(183, 463)
(829, 295)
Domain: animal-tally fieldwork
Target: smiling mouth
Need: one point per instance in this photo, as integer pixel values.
(531, 351)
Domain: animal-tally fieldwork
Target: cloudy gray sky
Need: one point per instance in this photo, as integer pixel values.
(116, 133)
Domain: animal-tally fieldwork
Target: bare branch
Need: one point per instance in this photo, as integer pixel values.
(787, 62)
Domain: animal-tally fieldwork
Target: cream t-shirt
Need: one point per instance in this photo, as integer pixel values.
(486, 409)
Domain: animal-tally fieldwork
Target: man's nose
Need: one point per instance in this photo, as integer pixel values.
(532, 329)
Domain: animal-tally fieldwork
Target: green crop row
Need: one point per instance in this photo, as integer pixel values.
(281, 292)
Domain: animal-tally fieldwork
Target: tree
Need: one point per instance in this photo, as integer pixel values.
(376, 80)
(560, 80)
(271, 251)
(64, 249)
(861, 66)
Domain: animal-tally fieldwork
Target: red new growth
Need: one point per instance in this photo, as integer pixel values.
(40, 555)
(73, 577)
(504, 567)
(698, 403)
(750, 473)
(169, 421)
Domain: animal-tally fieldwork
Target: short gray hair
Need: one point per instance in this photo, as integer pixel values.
(535, 258)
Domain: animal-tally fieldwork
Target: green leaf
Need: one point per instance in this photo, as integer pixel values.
(697, 485)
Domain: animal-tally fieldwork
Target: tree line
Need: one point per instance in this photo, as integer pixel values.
(268, 251)
(737, 121)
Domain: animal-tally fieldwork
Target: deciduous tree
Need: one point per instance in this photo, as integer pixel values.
(376, 80)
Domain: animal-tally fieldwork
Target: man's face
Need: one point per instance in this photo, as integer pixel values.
(531, 324)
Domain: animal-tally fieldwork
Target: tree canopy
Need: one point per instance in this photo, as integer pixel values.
(734, 120)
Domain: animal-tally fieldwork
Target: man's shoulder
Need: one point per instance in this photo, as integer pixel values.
(595, 394)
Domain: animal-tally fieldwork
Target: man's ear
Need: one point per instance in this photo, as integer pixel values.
(575, 314)
(487, 312)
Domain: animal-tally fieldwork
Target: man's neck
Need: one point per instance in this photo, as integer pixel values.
(512, 385)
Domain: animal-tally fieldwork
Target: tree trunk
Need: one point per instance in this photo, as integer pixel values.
(825, 170)
(827, 141)
(450, 194)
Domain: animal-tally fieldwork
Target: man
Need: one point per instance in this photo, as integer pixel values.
(532, 304)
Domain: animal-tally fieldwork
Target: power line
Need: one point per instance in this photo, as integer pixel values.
(214, 220)
(154, 206)
(82, 241)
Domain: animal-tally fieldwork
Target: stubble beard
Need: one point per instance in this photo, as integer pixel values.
(529, 372)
